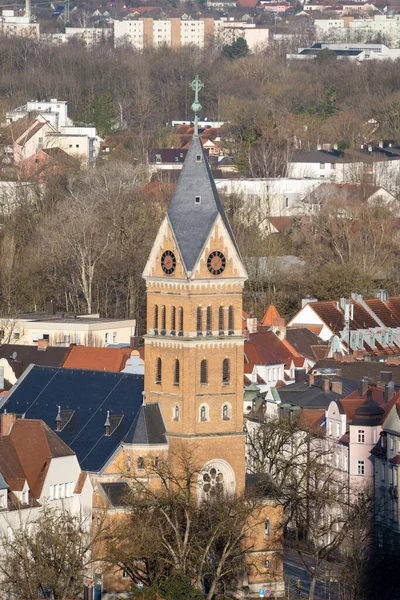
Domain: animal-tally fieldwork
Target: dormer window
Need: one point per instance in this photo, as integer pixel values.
(197, 200)
(198, 158)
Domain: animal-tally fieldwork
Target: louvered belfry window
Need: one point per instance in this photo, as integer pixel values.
(158, 370)
(155, 316)
(230, 320)
(209, 319)
(226, 375)
(199, 319)
(163, 324)
(181, 319)
(177, 372)
(203, 372)
(173, 318)
(221, 324)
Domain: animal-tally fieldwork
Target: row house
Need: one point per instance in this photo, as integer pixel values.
(365, 326)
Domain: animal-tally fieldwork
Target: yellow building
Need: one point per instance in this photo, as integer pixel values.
(194, 351)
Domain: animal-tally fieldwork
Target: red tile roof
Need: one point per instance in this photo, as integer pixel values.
(265, 348)
(388, 315)
(35, 445)
(270, 314)
(97, 359)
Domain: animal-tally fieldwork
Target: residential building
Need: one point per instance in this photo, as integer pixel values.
(176, 32)
(57, 131)
(167, 158)
(366, 326)
(375, 164)
(387, 27)
(16, 358)
(90, 36)
(54, 111)
(272, 197)
(45, 329)
(38, 469)
(355, 52)
(12, 24)
(347, 192)
(49, 161)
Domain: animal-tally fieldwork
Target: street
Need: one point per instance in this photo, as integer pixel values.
(294, 569)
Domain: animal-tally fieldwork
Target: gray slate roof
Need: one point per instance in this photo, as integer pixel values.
(191, 223)
(148, 427)
(306, 396)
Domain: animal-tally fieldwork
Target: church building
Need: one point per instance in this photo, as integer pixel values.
(194, 350)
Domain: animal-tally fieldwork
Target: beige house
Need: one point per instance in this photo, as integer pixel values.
(88, 330)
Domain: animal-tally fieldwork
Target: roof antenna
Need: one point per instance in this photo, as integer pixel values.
(196, 86)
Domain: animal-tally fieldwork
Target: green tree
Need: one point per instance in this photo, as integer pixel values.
(101, 112)
(238, 49)
(324, 54)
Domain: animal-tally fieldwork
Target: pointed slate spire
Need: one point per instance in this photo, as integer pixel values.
(195, 205)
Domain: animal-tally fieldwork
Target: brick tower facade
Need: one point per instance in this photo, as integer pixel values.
(194, 342)
(194, 354)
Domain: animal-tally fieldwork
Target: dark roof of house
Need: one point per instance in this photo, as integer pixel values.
(312, 396)
(60, 156)
(305, 342)
(359, 369)
(148, 427)
(10, 466)
(192, 223)
(87, 395)
(320, 156)
(167, 155)
(52, 356)
(116, 493)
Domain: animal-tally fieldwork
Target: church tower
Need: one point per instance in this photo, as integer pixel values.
(194, 342)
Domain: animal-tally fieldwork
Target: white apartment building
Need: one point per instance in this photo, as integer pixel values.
(53, 110)
(360, 30)
(90, 36)
(13, 25)
(273, 197)
(177, 32)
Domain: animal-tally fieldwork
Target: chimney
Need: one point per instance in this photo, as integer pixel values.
(279, 327)
(300, 375)
(51, 308)
(43, 344)
(58, 419)
(107, 424)
(380, 144)
(362, 387)
(7, 420)
(325, 384)
(369, 148)
(319, 147)
(335, 147)
(28, 9)
(310, 379)
(386, 376)
(337, 387)
(252, 325)
(134, 342)
(389, 391)
(326, 147)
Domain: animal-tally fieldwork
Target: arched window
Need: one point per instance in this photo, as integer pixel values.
(221, 324)
(231, 323)
(226, 413)
(176, 413)
(226, 371)
(209, 320)
(163, 318)
(203, 413)
(199, 321)
(177, 372)
(181, 320)
(128, 464)
(173, 319)
(203, 372)
(155, 316)
(140, 463)
(158, 370)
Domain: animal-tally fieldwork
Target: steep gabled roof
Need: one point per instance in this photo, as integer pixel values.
(36, 444)
(10, 465)
(192, 223)
(270, 314)
(148, 427)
